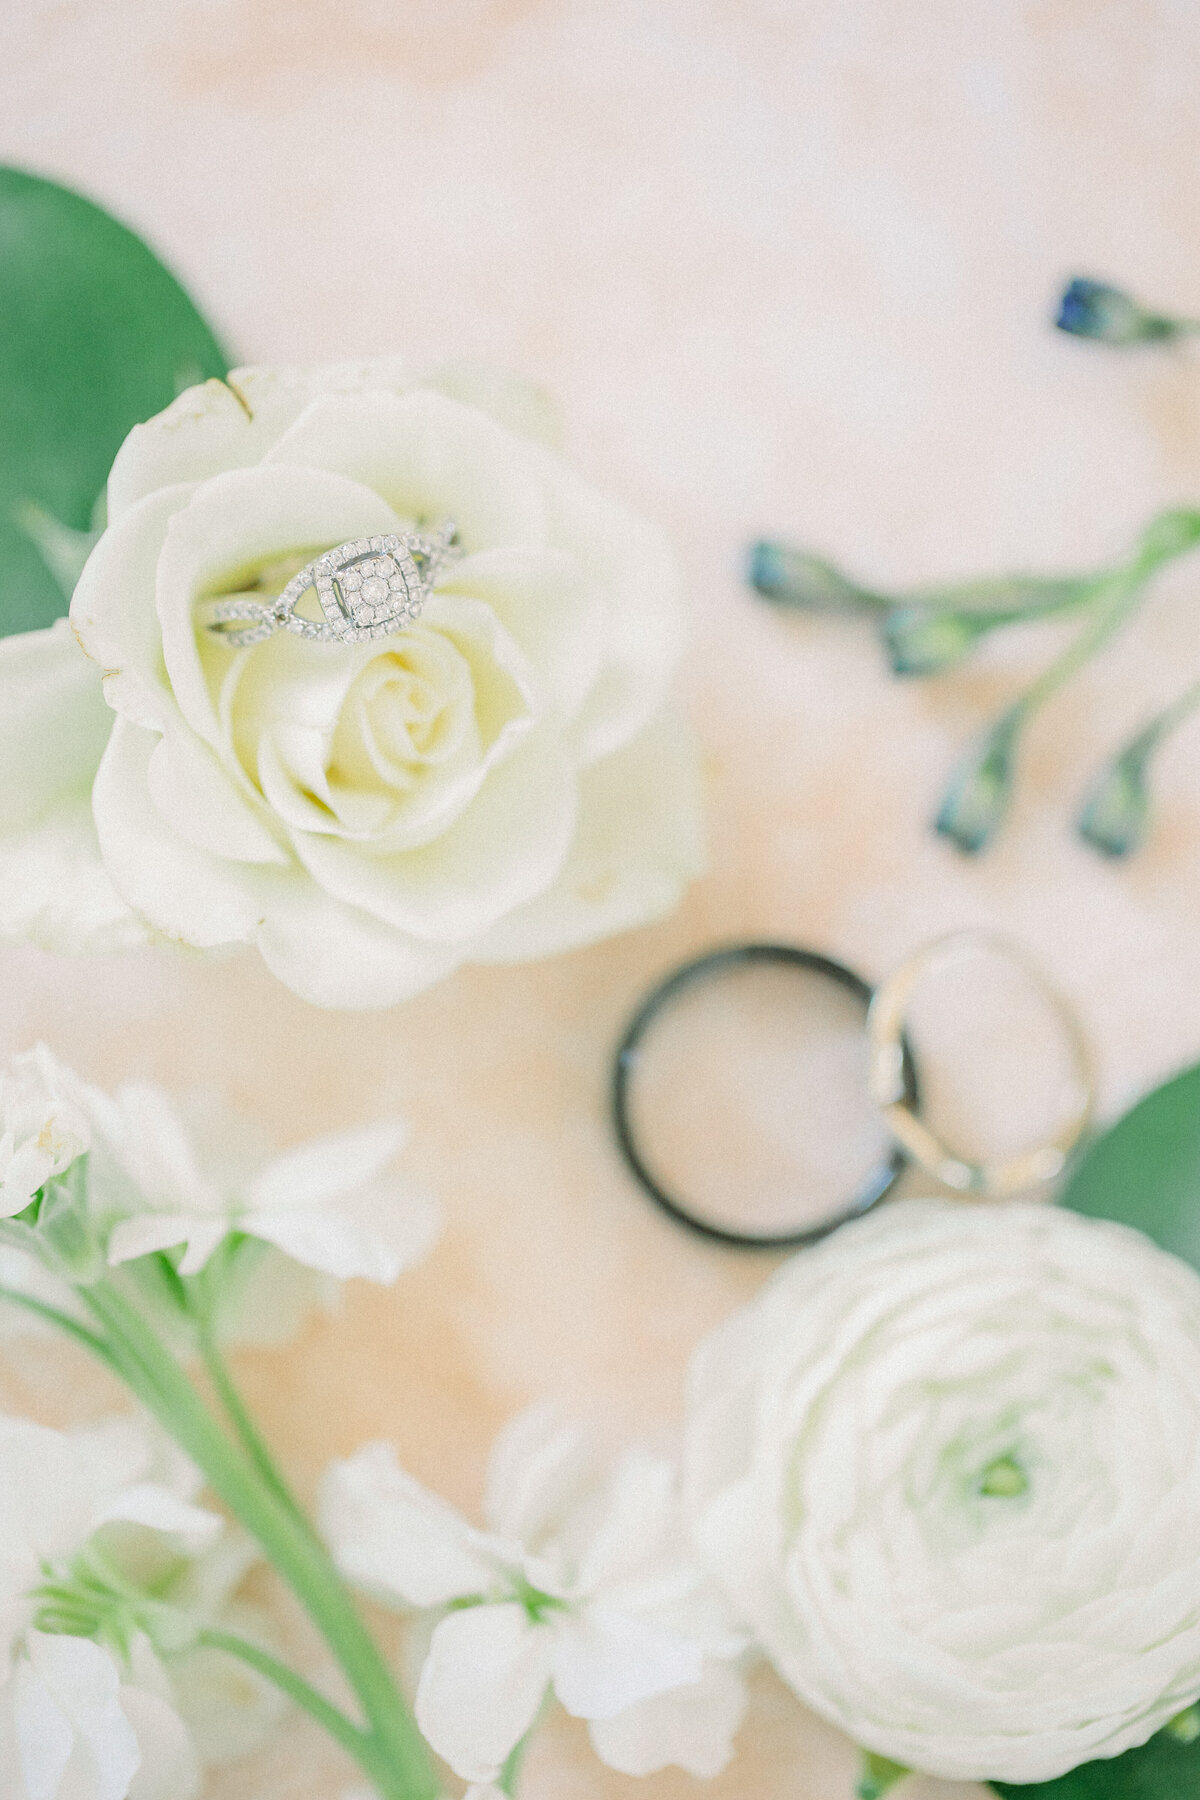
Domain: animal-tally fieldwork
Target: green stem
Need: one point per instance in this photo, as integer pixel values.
(980, 788)
(1115, 602)
(349, 1735)
(510, 1774)
(402, 1771)
(62, 1321)
(244, 1426)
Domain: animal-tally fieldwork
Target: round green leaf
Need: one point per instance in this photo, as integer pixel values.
(95, 336)
(1163, 1769)
(1145, 1171)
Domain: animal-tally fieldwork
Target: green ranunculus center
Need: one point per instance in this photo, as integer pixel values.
(1003, 1479)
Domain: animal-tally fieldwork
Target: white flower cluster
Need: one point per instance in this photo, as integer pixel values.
(944, 1470)
(77, 1721)
(581, 1587)
(333, 1205)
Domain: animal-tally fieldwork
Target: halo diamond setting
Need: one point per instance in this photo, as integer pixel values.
(367, 588)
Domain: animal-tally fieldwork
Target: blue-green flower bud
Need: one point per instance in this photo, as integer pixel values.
(1092, 309)
(981, 787)
(1116, 812)
(794, 578)
(922, 640)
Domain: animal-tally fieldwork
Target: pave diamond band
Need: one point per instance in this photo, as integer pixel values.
(367, 588)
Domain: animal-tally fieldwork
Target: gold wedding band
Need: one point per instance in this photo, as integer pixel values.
(885, 1032)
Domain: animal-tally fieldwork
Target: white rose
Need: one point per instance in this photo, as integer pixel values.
(501, 780)
(948, 1466)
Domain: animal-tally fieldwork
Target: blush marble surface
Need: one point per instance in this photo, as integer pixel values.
(788, 269)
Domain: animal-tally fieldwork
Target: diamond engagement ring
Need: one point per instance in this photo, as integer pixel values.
(367, 588)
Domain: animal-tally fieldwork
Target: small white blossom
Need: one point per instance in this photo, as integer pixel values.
(70, 1727)
(43, 1130)
(330, 1204)
(59, 1487)
(578, 1587)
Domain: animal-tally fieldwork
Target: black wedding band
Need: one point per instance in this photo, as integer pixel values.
(879, 1180)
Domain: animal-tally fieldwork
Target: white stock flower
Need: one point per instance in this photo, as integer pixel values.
(58, 1488)
(43, 1129)
(947, 1465)
(578, 1586)
(331, 1204)
(503, 779)
(70, 1727)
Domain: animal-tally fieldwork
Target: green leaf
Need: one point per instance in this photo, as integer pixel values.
(1145, 1170)
(1163, 1769)
(95, 336)
(878, 1776)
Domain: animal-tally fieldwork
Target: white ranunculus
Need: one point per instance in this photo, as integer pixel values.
(578, 1588)
(947, 1465)
(504, 779)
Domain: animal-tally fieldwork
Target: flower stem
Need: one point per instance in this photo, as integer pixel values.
(62, 1321)
(244, 1426)
(397, 1761)
(979, 791)
(349, 1735)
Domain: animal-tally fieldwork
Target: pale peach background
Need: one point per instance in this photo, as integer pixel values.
(788, 265)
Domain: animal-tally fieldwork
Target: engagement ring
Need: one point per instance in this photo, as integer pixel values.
(368, 588)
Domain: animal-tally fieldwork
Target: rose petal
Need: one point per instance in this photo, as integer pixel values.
(55, 890)
(637, 570)
(507, 846)
(54, 724)
(205, 431)
(430, 457)
(113, 611)
(638, 842)
(542, 597)
(230, 526)
(185, 892)
(189, 785)
(335, 955)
